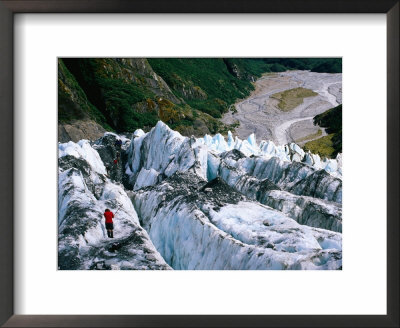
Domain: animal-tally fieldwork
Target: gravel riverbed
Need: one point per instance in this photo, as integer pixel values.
(259, 113)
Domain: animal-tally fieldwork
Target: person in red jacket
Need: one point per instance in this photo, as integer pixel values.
(109, 222)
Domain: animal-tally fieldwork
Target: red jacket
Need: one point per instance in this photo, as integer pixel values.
(109, 216)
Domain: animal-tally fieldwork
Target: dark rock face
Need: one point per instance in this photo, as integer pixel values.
(77, 117)
(233, 154)
(195, 189)
(199, 128)
(79, 129)
(109, 151)
(73, 103)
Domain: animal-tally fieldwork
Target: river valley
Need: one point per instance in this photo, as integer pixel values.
(260, 114)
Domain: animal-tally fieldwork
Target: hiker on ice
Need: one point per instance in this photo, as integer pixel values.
(118, 143)
(109, 222)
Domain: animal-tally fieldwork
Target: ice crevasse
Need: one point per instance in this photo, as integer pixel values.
(162, 152)
(200, 203)
(301, 189)
(84, 192)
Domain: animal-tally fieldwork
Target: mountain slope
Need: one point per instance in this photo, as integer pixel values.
(330, 145)
(77, 117)
(189, 94)
(207, 84)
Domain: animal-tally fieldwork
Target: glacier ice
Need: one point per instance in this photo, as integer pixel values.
(145, 178)
(83, 195)
(198, 203)
(163, 147)
(83, 149)
(200, 225)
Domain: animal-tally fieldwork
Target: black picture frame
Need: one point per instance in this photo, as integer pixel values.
(10, 7)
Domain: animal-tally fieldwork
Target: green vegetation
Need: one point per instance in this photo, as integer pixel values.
(212, 75)
(322, 65)
(292, 98)
(120, 98)
(322, 146)
(311, 136)
(332, 121)
(108, 86)
(124, 94)
(330, 66)
(72, 101)
(246, 68)
(224, 80)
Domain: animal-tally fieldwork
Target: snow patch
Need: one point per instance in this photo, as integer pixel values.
(83, 150)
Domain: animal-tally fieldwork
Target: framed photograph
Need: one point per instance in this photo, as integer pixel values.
(192, 165)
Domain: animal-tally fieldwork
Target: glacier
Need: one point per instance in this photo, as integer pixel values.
(191, 203)
(200, 225)
(83, 195)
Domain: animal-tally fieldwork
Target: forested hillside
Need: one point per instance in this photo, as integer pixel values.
(320, 65)
(331, 144)
(189, 94)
